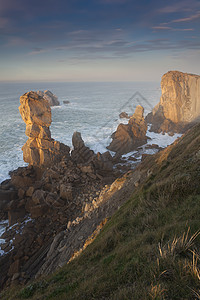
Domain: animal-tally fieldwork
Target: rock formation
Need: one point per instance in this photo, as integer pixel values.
(81, 153)
(124, 115)
(129, 137)
(179, 104)
(50, 97)
(40, 149)
(101, 164)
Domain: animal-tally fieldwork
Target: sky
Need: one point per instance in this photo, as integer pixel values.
(98, 40)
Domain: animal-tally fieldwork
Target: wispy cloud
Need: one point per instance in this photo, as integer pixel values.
(180, 6)
(37, 51)
(171, 28)
(187, 19)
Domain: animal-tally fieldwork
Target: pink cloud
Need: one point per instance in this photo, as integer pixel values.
(191, 18)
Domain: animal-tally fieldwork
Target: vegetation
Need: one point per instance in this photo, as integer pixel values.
(150, 248)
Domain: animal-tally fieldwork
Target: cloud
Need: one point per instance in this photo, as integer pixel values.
(187, 19)
(171, 28)
(181, 6)
(162, 27)
(37, 51)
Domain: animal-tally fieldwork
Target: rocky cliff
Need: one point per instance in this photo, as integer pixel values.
(40, 149)
(179, 104)
(129, 137)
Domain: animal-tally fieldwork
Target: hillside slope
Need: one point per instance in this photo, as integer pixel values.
(149, 249)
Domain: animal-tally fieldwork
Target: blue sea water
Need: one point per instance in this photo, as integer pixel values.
(93, 110)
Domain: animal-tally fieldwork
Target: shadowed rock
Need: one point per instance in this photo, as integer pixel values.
(129, 137)
(50, 97)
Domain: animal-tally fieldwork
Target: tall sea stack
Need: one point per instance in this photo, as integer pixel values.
(40, 148)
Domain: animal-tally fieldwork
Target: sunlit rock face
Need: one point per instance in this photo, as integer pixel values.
(129, 137)
(40, 148)
(179, 104)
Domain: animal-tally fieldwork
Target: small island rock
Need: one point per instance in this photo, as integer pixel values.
(50, 97)
(129, 137)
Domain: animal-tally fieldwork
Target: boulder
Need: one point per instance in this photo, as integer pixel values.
(40, 148)
(179, 104)
(50, 97)
(66, 102)
(129, 137)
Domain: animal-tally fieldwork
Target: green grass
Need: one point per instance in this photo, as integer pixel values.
(144, 250)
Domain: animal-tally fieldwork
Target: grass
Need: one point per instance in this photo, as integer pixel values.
(150, 248)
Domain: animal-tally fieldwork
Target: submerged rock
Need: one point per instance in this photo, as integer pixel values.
(129, 137)
(179, 104)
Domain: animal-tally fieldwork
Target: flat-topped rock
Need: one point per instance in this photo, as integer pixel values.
(179, 104)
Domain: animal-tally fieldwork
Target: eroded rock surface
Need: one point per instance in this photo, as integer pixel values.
(40, 148)
(50, 97)
(179, 104)
(129, 137)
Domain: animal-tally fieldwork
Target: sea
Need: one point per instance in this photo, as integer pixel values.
(93, 110)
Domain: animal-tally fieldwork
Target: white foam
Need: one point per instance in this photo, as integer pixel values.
(162, 140)
(3, 225)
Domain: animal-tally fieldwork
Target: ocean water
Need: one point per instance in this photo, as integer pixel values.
(93, 110)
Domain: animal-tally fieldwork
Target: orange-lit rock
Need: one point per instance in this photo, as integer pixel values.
(179, 104)
(40, 148)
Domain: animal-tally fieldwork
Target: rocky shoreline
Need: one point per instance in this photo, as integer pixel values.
(57, 203)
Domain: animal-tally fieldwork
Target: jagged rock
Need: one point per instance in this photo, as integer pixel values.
(124, 115)
(39, 149)
(81, 153)
(50, 97)
(179, 104)
(129, 137)
(91, 163)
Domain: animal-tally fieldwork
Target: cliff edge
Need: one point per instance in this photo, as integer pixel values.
(179, 105)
